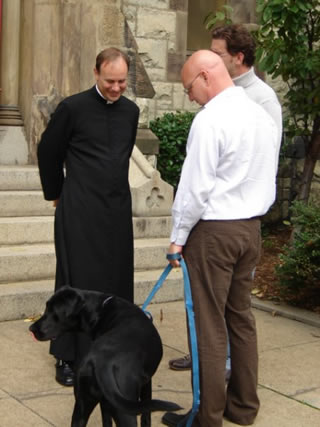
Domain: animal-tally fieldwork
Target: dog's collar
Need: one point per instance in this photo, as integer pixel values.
(105, 302)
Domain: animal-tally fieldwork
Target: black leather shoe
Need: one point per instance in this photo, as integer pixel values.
(64, 373)
(172, 420)
(181, 364)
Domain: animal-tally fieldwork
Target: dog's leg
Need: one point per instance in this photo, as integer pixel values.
(84, 401)
(146, 394)
(106, 411)
(81, 412)
(125, 420)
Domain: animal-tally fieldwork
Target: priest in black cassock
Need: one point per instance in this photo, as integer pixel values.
(92, 135)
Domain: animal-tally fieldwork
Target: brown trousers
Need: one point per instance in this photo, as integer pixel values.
(221, 256)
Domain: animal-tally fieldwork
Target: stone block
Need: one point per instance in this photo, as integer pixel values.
(152, 52)
(163, 95)
(175, 63)
(151, 196)
(13, 146)
(181, 33)
(130, 13)
(159, 26)
(157, 74)
(181, 5)
(178, 96)
(190, 106)
(147, 142)
(147, 108)
(156, 4)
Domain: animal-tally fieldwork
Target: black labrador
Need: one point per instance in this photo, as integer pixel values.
(125, 353)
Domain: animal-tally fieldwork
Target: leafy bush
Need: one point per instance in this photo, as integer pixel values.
(172, 130)
(299, 270)
(288, 46)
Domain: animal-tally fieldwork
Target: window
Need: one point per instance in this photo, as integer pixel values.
(198, 37)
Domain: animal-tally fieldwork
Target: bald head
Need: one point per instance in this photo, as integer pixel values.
(204, 75)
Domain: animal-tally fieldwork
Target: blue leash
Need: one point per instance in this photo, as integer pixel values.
(188, 420)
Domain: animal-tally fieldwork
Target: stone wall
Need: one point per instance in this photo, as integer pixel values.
(59, 43)
(160, 31)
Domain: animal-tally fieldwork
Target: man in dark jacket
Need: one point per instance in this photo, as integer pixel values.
(92, 135)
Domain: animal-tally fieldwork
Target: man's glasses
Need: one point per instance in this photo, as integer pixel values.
(189, 87)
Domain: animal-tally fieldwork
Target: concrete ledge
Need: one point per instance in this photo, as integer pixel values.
(285, 310)
(144, 227)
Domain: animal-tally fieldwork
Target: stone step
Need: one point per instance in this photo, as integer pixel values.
(37, 261)
(19, 178)
(39, 229)
(26, 230)
(24, 203)
(27, 299)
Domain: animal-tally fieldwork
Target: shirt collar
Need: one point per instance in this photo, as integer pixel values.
(107, 100)
(244, 79)
(224, 94)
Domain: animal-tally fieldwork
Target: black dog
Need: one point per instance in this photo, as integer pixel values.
(125, 352)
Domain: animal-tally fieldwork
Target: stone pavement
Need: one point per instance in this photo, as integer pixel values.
(289, 377)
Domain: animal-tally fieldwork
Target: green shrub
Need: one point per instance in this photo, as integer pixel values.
(172, 130)
(298, 272)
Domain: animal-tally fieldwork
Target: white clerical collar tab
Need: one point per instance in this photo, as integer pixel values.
(107, 100)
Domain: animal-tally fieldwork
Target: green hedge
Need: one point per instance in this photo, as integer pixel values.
(172, 130)
(298, 272)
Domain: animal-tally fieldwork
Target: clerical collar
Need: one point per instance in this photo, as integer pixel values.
(107, 100)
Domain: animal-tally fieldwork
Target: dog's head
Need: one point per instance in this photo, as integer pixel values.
(62, 314)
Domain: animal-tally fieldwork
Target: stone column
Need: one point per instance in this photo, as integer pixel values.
(13, 146)
(10, 43)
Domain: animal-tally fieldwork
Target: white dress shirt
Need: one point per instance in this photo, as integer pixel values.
(230, 168)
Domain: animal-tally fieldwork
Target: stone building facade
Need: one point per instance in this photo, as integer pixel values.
(48, 49)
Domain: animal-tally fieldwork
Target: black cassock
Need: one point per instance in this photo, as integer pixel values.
(93, 219)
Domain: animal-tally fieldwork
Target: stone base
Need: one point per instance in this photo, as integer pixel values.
(13, 146)
(151, 196)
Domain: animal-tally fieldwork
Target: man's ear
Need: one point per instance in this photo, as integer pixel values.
(205, 76)
(239, 58)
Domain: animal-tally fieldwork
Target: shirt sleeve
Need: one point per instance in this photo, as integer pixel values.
(52, 150)
(197, 180)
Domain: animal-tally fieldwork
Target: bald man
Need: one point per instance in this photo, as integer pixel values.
(228, 181)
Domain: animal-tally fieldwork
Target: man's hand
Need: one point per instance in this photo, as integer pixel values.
(55, 203)
(174, 249)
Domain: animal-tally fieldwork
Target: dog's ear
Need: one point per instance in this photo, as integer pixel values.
(68, 302)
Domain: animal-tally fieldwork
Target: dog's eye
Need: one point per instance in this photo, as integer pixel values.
(56, 318)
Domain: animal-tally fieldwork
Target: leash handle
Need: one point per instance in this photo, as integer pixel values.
(192, 331)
